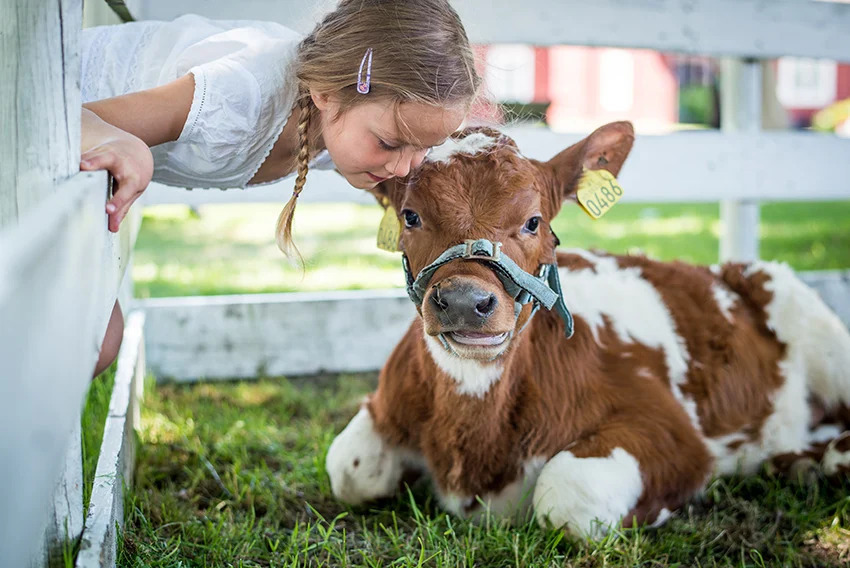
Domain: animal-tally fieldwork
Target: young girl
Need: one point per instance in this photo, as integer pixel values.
(202, 103)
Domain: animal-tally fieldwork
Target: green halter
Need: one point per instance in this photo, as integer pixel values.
(541, 290)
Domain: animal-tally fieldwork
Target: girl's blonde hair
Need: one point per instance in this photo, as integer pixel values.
(420, 54)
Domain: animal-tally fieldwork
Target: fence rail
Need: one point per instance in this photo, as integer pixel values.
(739, 28)
(226, 337)
(693, 166)
(60, 272)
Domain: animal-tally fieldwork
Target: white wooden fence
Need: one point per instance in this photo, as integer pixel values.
(738, 166)
(60, 270)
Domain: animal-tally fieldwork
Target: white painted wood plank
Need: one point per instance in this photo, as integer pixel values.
(743, 28)
(834, 287)
(751, 28)
(66, 523)
(114, 471)
(687, 166)
(710, 165)
(56, 268)
(223, 337)
(39, 80)
(741, 96)
(739, 231)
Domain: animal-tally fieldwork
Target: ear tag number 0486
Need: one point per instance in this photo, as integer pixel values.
(389, 231)
(598, 191)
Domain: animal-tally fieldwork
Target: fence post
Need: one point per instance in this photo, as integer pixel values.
(39, 101)
(740, 111)
(40, 113)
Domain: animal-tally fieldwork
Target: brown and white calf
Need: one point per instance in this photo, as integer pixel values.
(674, 372)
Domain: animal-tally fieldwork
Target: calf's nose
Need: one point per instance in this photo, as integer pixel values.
(463, 305)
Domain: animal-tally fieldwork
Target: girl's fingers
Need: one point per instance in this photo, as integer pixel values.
(93, 161)
(129, 190)
(130, 177)
(122, 211)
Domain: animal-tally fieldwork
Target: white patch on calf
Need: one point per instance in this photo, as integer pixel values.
(663, 516)
(728, 461)
(833, 458)
(824, 433)
(472, 144)
(786, 429)
(585, 254)
(473, 377)
(636, 311)
(511, 503)
(362, 466)
(586, 496)
(816, 359)
(645, 373)
(725, 299)
(818, 343)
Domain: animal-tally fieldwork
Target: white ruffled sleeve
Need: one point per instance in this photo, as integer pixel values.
(242, 100)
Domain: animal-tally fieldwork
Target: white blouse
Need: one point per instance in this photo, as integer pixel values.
(244, 90)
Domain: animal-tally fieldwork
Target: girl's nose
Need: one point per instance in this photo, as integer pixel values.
(408, 158)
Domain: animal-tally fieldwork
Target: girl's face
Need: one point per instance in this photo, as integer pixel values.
(366, 144)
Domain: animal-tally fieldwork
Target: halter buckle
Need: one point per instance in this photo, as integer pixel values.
(469, 254)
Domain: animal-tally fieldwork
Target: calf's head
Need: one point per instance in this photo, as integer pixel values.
(478, 204)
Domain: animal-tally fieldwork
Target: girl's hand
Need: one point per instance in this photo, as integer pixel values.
(126, 157)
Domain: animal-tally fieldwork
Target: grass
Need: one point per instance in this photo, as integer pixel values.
(230, 249)
(232, 474)
(93, 421)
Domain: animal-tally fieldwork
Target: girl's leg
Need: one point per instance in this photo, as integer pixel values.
(111, 341)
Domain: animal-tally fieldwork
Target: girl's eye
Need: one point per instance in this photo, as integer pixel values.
(531, 225)
(411, 219)
(386, 146)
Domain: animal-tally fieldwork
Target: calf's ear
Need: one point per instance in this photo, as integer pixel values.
(606, 148)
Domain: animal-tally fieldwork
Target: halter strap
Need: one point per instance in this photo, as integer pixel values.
(541, 290)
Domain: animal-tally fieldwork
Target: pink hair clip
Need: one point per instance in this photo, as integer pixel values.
(363, 84)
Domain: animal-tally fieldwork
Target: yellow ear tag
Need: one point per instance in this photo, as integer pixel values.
(598, 191)
(389, 231)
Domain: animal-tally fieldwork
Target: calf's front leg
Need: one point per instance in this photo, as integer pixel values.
(639, 470)
(362, 464)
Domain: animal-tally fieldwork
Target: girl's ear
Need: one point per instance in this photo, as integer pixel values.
(321, 100)
(606, 148)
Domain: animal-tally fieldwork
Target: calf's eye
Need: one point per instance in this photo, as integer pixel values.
(411, 219)
(531, 225)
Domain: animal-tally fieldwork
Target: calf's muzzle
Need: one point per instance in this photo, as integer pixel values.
(462, 305)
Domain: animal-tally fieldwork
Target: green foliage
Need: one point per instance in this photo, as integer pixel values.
(92, 423)
(230, 249)
(232, 474)
(697, 105)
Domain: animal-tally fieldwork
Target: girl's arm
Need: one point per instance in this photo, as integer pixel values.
(155, 115)
(117, 134)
